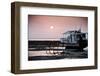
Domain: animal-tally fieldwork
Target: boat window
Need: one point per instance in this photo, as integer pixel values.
(66, 35)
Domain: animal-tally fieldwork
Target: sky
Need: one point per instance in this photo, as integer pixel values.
(45, 27)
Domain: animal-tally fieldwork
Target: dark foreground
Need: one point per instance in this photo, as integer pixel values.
(47, 55)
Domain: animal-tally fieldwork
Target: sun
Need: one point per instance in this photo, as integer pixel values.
(51, 27)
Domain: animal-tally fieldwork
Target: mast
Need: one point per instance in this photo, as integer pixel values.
(79, 29)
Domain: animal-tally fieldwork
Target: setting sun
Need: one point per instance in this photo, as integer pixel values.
(51, 27)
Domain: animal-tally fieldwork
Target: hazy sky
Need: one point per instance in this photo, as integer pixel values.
(52, 27)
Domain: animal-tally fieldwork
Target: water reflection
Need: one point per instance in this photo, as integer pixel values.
(57, 54)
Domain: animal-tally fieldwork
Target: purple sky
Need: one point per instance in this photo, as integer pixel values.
(52, 27)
